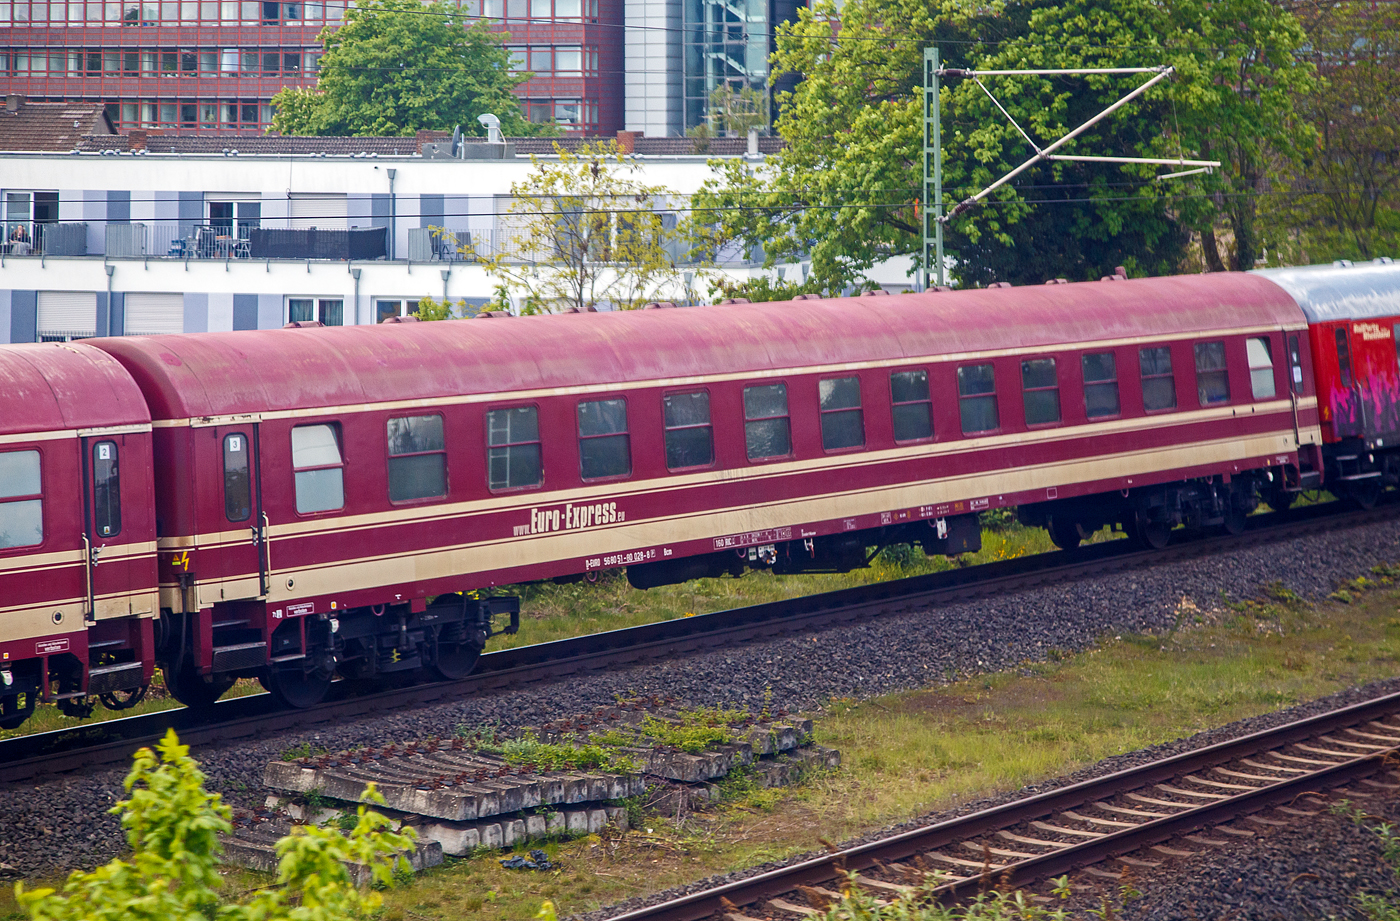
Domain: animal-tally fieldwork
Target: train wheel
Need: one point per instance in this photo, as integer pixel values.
(190, 688)
(1280, 499)
(1152, 534)
(1366, 493)
(296, 688)
(456, 660)
(1234, 520)
(1063, 534)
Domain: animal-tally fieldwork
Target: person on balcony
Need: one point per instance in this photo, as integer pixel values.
(19, 241)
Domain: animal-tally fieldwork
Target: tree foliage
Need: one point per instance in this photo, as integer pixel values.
(1342, 201)
(585, 232)
(173, 826)
(845, 191)
(399, 66)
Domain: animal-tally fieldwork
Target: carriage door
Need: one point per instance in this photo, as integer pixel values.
(109, 563)
(1348, 412)
(244, 524)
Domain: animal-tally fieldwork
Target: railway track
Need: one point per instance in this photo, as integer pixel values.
(1136, 818)
(45, 755)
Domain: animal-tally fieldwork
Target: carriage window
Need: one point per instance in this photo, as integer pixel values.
(766, 431)
(417, 458)
(238, 492)
(1343, 356)
(106, 490)
(317, 466)
(513, 448)
(977, 398)
(912, 409)
(604, 449)
(843, 426)
(21, 500)
(1158, 385)
(1261, 368)
(1100, 385)
(689, 441)
(1042, 391)
(1295, 362)
(1212, 380)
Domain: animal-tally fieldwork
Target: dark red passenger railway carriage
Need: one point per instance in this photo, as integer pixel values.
(77, 535)
(321, 485)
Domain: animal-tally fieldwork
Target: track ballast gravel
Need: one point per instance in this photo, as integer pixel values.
(62, 824)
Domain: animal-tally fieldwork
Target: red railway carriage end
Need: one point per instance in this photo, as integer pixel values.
(78, 601)
(1353, 313)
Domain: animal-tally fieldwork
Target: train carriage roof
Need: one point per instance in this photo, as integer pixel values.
(53, 387)
(1341, 291)
(216, 374)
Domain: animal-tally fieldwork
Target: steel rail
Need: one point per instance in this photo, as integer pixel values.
(710, 902)
(43, 755)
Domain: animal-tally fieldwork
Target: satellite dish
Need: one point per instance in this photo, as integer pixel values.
(456, 140)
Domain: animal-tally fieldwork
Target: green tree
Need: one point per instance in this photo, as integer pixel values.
(844, 192)
(173, 827)
(1343, 200)
(585, 232)
(399, 66)
(735, 112)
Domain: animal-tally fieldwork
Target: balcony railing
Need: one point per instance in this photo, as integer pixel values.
(43, 238)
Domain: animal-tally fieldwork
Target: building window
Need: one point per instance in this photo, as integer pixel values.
(843, 425)
(238, 487)
(513, 448)
(604, 448)
(766, 430)
(328, 311)
(1343, 356)
(1212, 379)
(1041, 391)
(1158, 384)
(417, 458)
(317, 468)
(911, 408)
(568, 60)
(1261, 368)
(1100, 385)
(21, 500)
(385, 308)
(977, 399)
(689, 439)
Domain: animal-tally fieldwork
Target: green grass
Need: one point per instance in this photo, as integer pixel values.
(906, 755)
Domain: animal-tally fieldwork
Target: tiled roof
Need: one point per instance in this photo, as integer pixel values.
(253, 145)
(51, 126)
(272, 145)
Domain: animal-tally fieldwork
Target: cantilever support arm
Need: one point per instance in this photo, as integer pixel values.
(1046, 154)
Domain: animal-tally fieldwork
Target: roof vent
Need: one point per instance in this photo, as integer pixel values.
(807, 297)
(734, 300)
(13, 102)
(304, 324)
(1058, 281)
(486, 314)
(589, 309)
(878, 292)
(1342, 264)
(657, 305)
(1000, 284)
(1382, 260)
(408, 319)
